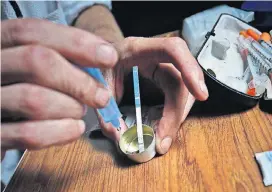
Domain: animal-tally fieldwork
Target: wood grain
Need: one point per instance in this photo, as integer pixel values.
(210, 154)
(213, 152)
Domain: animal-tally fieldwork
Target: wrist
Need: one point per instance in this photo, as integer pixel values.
(109, 34)
(99, 20)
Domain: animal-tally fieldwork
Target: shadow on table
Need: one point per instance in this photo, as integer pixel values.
(214, 108)
(31, 181)
(266, 106)
(101, 143)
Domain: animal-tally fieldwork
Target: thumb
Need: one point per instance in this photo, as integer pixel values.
(163, 139)
(169, 124)
(109, 130)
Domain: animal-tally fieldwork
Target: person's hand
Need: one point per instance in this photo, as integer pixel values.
(43, 94)
(169, 64)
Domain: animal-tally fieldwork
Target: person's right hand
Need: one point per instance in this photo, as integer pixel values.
(43, 89)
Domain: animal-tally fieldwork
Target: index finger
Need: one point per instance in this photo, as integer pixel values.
(166, 50)
(74, 44)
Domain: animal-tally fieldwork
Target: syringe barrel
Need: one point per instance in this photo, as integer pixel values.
(266, 45)
(110, 113)
(262, 51)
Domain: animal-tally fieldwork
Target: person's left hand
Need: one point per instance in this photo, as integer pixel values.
(169, 64)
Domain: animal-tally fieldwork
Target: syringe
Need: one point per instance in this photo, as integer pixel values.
(259, 47)
(262, 51)
(266, 45)
(264, 63)
(259, 42)
(255, 62)
(110, 113)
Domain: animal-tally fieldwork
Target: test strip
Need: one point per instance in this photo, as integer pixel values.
(138, 109)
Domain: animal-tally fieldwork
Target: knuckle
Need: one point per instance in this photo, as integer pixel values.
(132, 39)
(131, 44)
(17, 29)
(21, 29)
(29, 55)
(38, 57)
(37, 52)
(79, 39)
(32, 100)
(89, 87)
(175, 41)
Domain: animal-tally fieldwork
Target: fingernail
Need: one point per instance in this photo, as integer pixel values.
(165, 144)
(102, 97)
(81, 125)
(106, 54)
(203, 87)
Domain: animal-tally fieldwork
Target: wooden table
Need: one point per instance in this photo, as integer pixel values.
(213, 152)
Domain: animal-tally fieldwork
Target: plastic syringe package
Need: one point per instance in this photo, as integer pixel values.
(237, 65)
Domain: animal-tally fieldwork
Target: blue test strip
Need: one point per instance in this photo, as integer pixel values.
(138, 109)
(136, 87)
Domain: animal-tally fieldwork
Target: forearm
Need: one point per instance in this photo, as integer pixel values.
(100, 21)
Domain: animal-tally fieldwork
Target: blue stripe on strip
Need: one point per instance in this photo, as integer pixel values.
(137, 103)
(136, 87)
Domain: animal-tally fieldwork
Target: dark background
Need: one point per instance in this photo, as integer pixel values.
(148, 18)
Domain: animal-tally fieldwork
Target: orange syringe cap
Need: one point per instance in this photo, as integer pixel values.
(253, 34)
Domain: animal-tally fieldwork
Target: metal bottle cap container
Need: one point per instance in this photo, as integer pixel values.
(129, 144)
